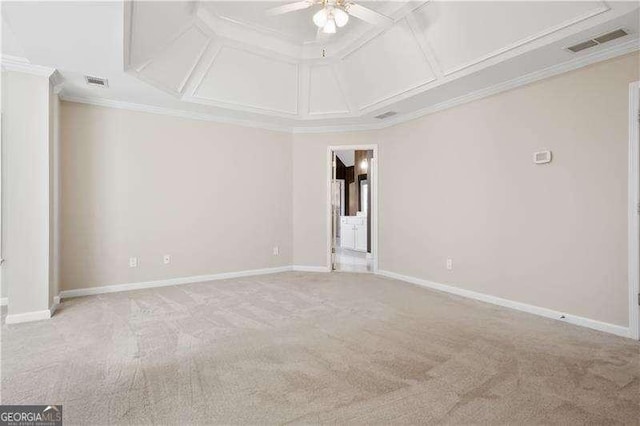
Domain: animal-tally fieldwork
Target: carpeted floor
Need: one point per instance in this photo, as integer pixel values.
(309, 348)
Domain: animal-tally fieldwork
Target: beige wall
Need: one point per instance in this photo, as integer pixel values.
(25, 192)
(217, 198)
(554, 236)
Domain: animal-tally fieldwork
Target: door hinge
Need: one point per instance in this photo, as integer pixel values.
(638, 299)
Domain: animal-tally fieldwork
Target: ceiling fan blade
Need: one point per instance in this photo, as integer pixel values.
(367, 14)
(291, 7)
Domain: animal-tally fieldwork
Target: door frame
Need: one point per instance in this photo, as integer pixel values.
(634, 210)
(373, 209)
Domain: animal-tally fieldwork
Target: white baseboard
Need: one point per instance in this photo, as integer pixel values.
(28, 316)
(65, 294)
(302, 268)
(54, 306)
(4, 301)
(536, 310)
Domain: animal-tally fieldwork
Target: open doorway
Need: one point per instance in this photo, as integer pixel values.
(352, 208)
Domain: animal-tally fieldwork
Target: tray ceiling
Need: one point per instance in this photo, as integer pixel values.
(230, 59)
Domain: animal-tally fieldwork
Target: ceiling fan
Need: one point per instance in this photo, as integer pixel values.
(334, 13)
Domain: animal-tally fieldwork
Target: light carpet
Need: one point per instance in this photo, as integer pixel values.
(315, 348)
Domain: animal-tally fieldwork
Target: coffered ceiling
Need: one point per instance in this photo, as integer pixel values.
(232, 61)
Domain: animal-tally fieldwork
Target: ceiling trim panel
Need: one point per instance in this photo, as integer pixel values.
(630, 46)
(396, 40)
(343, 88)
(246, 106)
(424, 46)
(337, 91)
(178, 90)
(131, 13)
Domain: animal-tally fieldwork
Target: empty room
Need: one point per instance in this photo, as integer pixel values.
(320, 211)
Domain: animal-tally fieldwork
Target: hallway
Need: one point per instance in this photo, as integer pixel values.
(352, 261)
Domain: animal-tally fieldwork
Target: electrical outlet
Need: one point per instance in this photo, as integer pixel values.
(133, 262)
(166, 259)
(276, 251)
(449, 264)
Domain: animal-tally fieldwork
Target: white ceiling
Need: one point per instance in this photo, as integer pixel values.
(230, 61)
(348, 158)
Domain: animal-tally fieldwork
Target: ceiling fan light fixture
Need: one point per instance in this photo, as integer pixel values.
(329, 27)
(321, 17)
(341, 17)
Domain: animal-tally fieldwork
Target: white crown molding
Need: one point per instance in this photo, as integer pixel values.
(90, 291)
(18, 64)
(110, 103)
(618, 330)
(57, 82)
(629, 46)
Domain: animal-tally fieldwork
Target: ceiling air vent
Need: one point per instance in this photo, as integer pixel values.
(611, 36)
(385, 115)
(598, 40)
(96, 81)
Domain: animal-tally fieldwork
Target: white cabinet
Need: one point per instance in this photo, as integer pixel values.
(353, 232)
(347, 236)
(361, 237)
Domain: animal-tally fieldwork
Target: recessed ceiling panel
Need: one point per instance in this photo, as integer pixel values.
(245, 79)
(430, 56)
(462, 34)
(172, 66)
(154, 24)
(325, 96)
(295, 26)
(387, 66)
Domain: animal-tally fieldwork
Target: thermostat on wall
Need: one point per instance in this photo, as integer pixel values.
(542, 157)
